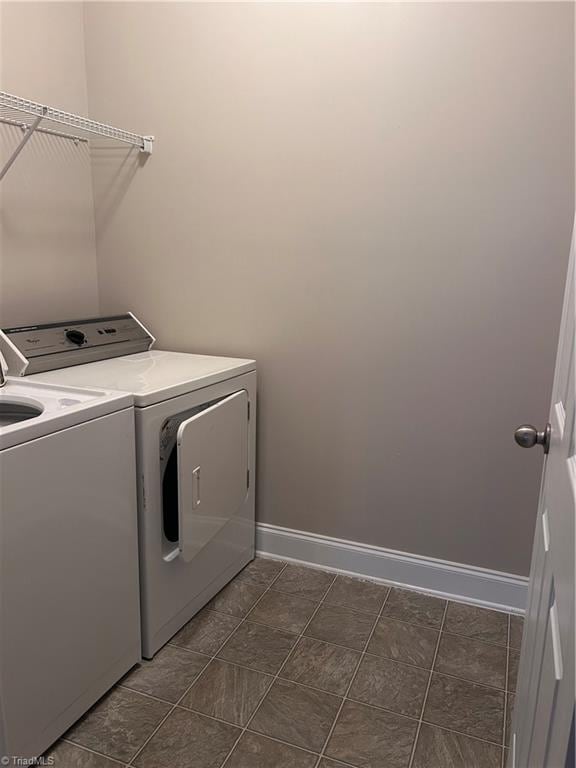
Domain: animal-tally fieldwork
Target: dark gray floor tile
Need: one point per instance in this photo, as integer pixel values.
(256, 751)
(437, 748)
(513, 661)
(404, 642)
(321, 665)
(472, 660)
(236, 599)
(510, 701)
(516, 630)
(304, 582)
(327, 763)
(227, 692)
(206, 632)
(188, 740)
(258, 647)
(119, 724)
(261, 572)
(479, 623)
(298, 715)
(283, 611)
(341, 626)
(64, 755)
(358, 594)
(389, 684)
(466, 707)
(414, 607)
(169, 673)
(371, 738)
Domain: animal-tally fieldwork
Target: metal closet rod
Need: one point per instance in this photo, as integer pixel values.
(42, 112)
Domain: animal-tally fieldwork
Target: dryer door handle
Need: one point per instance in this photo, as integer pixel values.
(196, 488)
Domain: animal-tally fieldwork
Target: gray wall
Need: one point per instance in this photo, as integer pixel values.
(47, 239)
(375, 201)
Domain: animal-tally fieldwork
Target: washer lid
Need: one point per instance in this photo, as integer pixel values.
(152, 376)
(32, 409)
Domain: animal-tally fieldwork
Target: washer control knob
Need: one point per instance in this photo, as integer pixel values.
(76, 337)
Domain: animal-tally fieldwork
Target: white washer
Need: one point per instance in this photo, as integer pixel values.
(69, 614)
(195, 447)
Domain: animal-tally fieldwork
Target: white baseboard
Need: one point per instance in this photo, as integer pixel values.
(464, 583)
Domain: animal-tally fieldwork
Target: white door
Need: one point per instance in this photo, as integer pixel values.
(213, 475)
(544, 708)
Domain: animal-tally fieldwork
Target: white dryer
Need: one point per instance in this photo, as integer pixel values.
(195, 448)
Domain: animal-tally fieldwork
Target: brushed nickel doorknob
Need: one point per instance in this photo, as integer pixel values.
(528, 436)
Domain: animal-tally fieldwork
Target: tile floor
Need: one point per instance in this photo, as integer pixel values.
(290, 667)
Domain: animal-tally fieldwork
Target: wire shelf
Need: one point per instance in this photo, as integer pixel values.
(31, 116)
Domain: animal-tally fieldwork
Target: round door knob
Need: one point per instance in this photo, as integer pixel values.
(76, 337)
(528, 436)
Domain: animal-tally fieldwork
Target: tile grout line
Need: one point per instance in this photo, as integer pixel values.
(92, 751)
(217, 720)
(374, 613)
(276, 676)
(364, 653)
(312, 600)
(272, 738)
(210, 660)
(301, 685)
(424, 700)
(503, 758)
(297, 637)
(353, 677)
(442, 674)
(471, 638)
(369, 653)
(336, 645)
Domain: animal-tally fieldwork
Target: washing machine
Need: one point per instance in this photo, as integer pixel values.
(195, 418)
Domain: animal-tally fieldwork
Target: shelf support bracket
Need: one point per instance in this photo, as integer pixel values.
(25, 139)
(147, 144)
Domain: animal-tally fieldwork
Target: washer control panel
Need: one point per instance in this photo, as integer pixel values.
(35, 348)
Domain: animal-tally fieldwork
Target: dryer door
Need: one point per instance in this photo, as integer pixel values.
(212, 471)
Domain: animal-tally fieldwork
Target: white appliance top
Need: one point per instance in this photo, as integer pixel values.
(151, 376)
(50, 408)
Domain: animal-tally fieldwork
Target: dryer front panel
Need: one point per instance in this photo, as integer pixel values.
(175, 588)
(213, 477)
